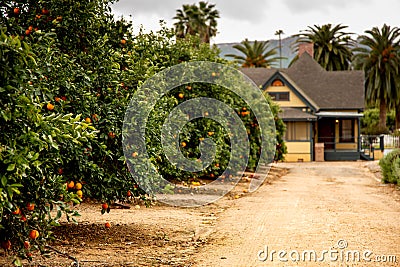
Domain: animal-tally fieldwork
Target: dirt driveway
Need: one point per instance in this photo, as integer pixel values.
(335, 206)
(334, 210)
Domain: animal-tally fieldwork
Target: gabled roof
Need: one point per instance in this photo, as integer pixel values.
(301, 94)
(324, 90)
(259, 75)
(329, 89)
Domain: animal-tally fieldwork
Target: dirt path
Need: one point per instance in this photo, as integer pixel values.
(311, 208)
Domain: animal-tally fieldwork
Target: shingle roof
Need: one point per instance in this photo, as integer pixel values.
(258, 75)
(296, 114)
(324, 89)
(328, 89)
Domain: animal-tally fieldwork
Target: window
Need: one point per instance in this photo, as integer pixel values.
(297, 131)
(277, 82)
(346, 129)
(279, 96)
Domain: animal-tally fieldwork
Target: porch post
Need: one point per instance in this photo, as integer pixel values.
(312, 141)
(358, 135)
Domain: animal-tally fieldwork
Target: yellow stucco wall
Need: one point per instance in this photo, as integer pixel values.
(294, 100)
(298, 151)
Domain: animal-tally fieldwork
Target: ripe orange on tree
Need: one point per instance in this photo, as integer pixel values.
(104, 206)
(88, 120)
(71, 184)
(30, 206)
(50, 106)
(27, 244)
(78, 186)
(111, 135)
(129, 193)
(123, 41)
(181, 95)
(17, 211)
(33, 234)
(16, 11)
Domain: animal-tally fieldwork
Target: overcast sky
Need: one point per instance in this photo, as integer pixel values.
(260, 19)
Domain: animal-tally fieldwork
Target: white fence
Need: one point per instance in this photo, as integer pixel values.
(391, 141)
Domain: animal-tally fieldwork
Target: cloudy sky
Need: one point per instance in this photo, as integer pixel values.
(260, 19)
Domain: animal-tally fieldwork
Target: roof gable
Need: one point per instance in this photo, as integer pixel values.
(329, 89)
(321, 89)
(293, 87)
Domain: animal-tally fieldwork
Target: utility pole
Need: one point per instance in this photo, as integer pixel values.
(279, 33)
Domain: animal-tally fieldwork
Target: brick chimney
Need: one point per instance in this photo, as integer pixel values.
(306, 47)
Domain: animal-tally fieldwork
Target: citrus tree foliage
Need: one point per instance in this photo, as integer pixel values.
(35, 141)
(68, 70)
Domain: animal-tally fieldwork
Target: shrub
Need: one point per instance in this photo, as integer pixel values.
(390, 165)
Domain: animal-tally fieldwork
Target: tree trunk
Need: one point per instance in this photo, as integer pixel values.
(382, 115)
(397, 117)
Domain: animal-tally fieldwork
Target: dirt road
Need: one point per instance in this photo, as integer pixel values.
(336, 206)
(309, 209)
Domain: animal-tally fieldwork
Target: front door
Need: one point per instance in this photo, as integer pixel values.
(326, 132)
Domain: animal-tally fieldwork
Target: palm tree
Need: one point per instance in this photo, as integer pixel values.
(197, 20)
(279, 33)
(379, 56)
(332, 46)
(256, 54)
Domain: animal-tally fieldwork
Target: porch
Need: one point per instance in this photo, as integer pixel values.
(340, 134)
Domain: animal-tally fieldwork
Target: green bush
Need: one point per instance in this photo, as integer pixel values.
(390, 165)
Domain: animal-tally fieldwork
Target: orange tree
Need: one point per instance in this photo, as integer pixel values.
(69, 71)
(33, 139)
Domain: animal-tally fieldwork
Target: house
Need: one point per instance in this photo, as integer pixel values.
(321, 109)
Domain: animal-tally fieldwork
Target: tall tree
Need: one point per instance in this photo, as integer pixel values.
(378, 54)
(332, 45)
(256, 54)
(279, 33)
(197, 20)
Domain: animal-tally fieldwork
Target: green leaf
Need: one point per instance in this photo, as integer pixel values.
(11, 167)
(4, 181)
